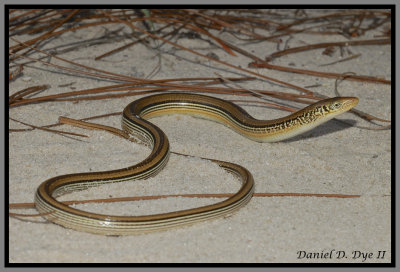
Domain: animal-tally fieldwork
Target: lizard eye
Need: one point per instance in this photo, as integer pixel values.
(335, 105)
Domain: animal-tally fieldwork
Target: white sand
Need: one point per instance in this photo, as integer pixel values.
(334, 158)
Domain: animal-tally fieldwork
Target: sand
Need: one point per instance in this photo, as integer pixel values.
(335, 158)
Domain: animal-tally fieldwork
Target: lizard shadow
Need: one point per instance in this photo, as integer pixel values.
(325, 129)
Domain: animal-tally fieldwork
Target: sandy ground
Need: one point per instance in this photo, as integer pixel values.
(334, 158)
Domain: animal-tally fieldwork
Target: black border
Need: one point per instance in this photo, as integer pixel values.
(392, 7)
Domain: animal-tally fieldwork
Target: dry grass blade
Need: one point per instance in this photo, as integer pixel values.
(225, 24)
(318, 73)
(129, 87)
(87, 125)
(341, 60)
(155, 197)
(133, 43)
(41, 38)
(99, 73)
(12, 214)
(361, 114)
(370, 117)
(59, 124)
(63, 133)
(197, 29)
(14, 73)
(207, 57)
(18, 96)
(259, 95)
(325, 45)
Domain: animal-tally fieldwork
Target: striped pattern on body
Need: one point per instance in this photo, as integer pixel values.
(134, 122)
